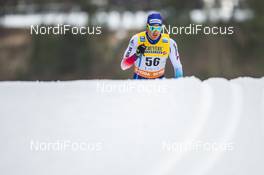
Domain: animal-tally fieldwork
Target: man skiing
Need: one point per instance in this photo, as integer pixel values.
(149, 50)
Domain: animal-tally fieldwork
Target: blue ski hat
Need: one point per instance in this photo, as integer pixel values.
(154, 18)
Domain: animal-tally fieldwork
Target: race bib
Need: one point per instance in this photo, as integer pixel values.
(153, 63)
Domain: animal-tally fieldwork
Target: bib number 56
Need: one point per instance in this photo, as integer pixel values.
(150, 61)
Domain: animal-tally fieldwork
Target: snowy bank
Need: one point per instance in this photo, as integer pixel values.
(126, 127)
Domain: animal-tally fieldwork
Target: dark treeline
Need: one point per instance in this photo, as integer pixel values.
(50, 57)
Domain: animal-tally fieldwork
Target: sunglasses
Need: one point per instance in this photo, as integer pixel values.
(155, 28)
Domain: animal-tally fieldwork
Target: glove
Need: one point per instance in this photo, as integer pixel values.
(140, 50)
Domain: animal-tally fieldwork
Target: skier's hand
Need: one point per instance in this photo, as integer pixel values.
(141, 50)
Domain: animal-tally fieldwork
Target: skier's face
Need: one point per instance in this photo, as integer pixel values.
(154, 31)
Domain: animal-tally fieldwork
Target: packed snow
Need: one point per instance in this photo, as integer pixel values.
(124, 127)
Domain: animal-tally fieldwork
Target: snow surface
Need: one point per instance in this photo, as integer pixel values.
(161, 127)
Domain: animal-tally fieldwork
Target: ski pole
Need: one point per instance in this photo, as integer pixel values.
(139, 63)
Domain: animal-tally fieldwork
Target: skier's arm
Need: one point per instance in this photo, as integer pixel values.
(175, 59)
(130, 57)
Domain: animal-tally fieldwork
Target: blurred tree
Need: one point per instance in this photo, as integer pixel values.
(249, 41)
(60, 57)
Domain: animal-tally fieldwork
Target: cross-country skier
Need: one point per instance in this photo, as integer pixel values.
(149, 50)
